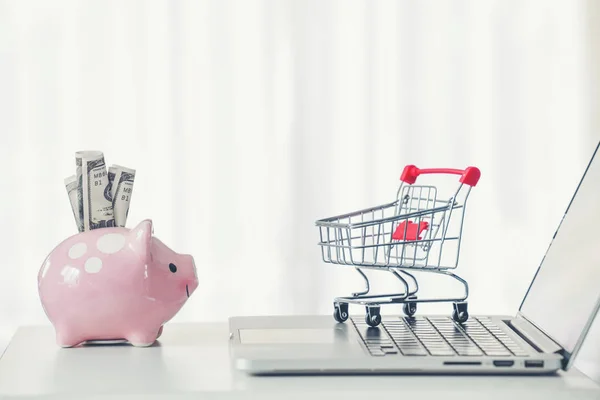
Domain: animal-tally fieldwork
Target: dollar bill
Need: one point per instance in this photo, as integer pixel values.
(93, 193)
(71, 186)
(111, 179)
(121, 182)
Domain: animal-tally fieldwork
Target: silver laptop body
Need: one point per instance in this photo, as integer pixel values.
(544, 336)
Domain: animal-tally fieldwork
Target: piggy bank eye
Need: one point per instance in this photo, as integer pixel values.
(173, 268)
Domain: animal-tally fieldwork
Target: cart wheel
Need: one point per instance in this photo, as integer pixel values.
(460, 313)
(409, 309)
(340, 312)
(373, 318)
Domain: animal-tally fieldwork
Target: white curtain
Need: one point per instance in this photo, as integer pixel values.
(248, 120)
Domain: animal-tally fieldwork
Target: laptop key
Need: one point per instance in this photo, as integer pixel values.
(482, 336)
(415, 352)
(476, 352)
(442, 353)
(493, 348)
(458, 340)
(432, 348)
(413, 347)
(405, 339)
(371, 341)
(378, 345)
(498, 353)
(409, 344)
(465, 348)
(469, 352)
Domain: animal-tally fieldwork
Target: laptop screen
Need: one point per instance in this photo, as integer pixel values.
(565, 293)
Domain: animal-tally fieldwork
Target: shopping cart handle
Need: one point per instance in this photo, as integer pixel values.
(469, 176)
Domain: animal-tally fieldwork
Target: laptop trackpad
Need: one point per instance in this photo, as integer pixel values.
(290, 336)
(294, 338)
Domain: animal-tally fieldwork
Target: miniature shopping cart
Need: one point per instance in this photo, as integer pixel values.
(420, 231)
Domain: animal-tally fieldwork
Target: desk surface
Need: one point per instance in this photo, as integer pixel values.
(193, 359)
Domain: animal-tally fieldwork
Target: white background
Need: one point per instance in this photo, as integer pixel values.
(248, 120)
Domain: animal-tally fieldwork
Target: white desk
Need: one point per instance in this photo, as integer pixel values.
(192, 361)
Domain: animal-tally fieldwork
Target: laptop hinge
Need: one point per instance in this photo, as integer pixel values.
(533, 335)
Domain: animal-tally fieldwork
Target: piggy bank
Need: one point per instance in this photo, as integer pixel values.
(114, 284)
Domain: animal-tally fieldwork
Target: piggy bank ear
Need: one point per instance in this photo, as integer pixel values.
(140, 237)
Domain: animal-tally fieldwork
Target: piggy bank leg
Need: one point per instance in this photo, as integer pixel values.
(142, 338)
(159, 332)
(68, 338)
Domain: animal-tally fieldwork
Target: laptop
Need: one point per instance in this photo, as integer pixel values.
(543, 336)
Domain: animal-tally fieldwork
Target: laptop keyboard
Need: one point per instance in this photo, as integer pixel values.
(440, 336)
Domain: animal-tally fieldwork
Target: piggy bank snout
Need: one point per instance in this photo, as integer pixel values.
(192, 280)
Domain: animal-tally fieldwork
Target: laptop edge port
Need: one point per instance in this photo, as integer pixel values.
(504, 363)
(462, 362)
(534, 364)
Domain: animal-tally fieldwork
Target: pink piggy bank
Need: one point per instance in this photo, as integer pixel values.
(114, 284)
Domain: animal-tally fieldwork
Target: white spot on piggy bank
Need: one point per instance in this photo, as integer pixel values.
(114, 283)
(77, 250)
(93, 265)
(111, 243)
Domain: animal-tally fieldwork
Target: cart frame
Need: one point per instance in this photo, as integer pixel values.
(388, 238)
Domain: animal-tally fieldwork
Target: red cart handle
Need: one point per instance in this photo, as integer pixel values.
(469, 176)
